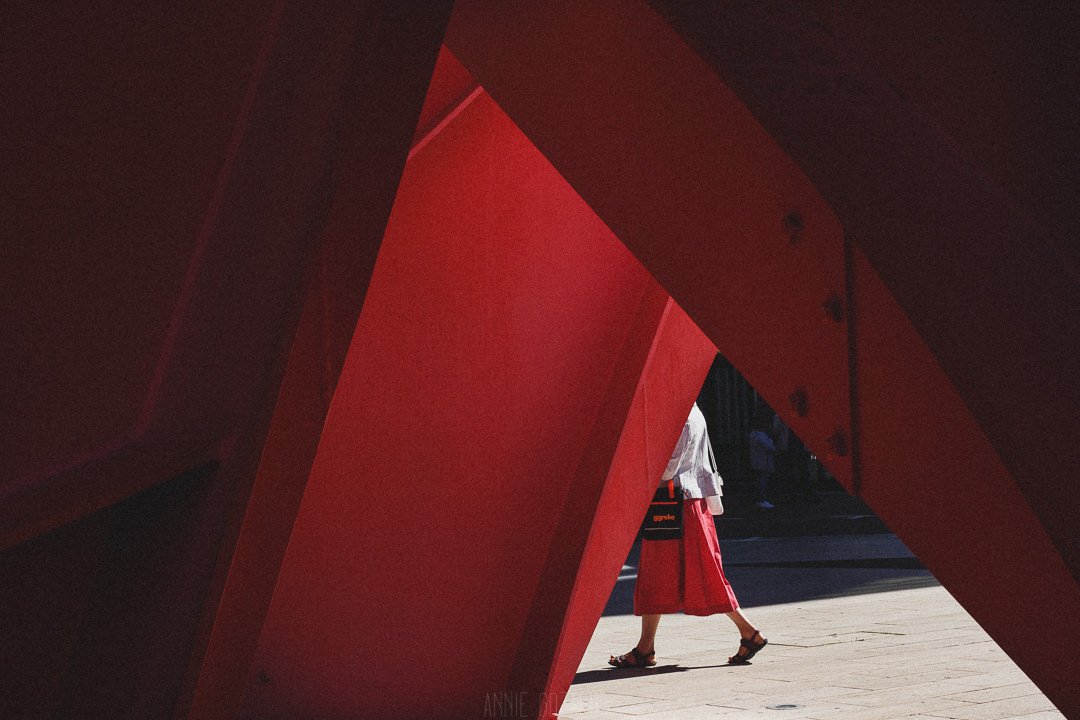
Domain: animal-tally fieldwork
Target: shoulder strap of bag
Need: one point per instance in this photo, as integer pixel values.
(712, 461)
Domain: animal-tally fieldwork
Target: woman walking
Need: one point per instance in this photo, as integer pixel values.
(687, 575)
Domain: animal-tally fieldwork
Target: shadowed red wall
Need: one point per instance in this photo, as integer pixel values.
(170, 184)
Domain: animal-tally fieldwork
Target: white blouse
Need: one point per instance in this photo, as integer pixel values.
(691, 465)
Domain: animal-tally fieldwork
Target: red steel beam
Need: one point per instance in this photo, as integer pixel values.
(673, 161)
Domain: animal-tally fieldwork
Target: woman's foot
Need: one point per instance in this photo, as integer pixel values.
(633, 659)
(748, 648)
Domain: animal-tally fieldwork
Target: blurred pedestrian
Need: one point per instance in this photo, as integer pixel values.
(762, 455)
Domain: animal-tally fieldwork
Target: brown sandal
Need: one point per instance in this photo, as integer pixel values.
(752, 649)
(633, 659)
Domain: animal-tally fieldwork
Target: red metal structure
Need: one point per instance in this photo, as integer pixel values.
(310, 383)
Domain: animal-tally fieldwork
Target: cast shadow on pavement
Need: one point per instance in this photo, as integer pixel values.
(592, 676)
(778, 581)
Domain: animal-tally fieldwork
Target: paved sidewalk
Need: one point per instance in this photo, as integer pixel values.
(884, 642)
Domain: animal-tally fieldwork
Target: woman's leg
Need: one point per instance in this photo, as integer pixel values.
(644, 653)
(751, 640)
(746, 628)
(647, 643)
(658, 587)
(706, 589)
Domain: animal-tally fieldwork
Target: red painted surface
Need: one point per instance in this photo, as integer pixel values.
(173, 178)
(932, 474)
(700, 201)
(701, 198)
(677, 364)
(190, 187)
(93, 110)
(450, 85)
(400, 50)
(501, 317)
(955, 182)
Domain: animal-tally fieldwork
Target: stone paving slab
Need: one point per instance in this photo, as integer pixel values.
(910, 653)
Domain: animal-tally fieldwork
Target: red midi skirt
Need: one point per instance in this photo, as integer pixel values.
(684, 575)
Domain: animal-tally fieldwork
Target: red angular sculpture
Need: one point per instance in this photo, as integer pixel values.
(229, 490)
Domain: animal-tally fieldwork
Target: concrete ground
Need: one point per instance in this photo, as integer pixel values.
(857, 630)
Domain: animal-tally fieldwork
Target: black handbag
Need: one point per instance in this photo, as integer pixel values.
(663, 521)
